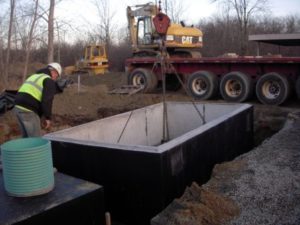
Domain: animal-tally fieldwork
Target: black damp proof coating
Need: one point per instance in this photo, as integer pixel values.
(72, 201)
(139, 184)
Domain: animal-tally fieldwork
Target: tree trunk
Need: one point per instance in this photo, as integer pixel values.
(11, 20)
(245, 40)
(1, 59)
(30, 37)
(51, 32)
(245, 10)
(58, 42)
(106, 27)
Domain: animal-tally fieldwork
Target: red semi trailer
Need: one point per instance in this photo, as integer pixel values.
(272, 78)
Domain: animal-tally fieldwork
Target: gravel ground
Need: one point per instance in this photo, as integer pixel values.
(267, 190)
(260, 187)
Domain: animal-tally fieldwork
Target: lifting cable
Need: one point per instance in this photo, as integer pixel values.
(202, 116)
(166, 136)
(146, 126)
(164, 63)
(170, 65)
(125, 126)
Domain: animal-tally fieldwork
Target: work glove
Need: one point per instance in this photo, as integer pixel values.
(61, 84)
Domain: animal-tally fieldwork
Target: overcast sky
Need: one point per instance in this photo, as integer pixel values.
(82, 14)
(194, 9)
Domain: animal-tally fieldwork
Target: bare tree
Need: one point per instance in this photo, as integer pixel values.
(291, 24)
(245, 10)
(1, 49)
(106, 27)
(175, 9)
(30, 38)
(51, 32)
(11, 20)
(48, 16)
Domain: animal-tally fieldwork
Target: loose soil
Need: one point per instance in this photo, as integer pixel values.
(87, 99)
(258, 187)
(198, 206)
(90, 100)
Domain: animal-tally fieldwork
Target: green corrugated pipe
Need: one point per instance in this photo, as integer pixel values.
(27, 167)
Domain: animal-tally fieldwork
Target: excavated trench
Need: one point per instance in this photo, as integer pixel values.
(142, 164)
(143, 175)
(267, 121)
(259, 187)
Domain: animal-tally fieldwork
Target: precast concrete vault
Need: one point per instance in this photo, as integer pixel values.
(140, 171)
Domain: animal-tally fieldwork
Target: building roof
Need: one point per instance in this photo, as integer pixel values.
(277, 39)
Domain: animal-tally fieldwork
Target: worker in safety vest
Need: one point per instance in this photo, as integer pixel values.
(34, 100)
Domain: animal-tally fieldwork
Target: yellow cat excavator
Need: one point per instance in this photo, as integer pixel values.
(94, 62)
(180, 40)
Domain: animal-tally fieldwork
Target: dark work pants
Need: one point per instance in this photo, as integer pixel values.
(29, 122)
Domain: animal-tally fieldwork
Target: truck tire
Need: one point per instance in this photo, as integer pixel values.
(202, 85)
(143, 77)
(273, 89)
(236, 87)
(297, 88)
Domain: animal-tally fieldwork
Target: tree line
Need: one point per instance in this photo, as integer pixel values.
(30, 33)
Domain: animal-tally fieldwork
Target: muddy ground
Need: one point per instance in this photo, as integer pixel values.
(90, 100)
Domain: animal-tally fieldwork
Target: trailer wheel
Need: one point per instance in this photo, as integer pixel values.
(272, 89)
(202, 85)
(236, 87)
(298, 87)
(143, 77)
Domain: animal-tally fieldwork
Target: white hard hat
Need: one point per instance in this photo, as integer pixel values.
(56, 66)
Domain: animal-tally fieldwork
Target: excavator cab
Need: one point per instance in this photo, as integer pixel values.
(145, 31)
(94, 62)
(94, 51)
(95, 59)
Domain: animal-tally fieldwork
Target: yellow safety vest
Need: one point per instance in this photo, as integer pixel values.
(34, 85)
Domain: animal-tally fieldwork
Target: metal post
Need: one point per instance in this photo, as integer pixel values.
(78, 83)
(257, 49)
(165, 119)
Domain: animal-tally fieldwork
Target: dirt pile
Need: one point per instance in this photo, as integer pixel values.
(9, 128)
(198, 206)
(87, 99)
(90, 101)
(91, 98)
